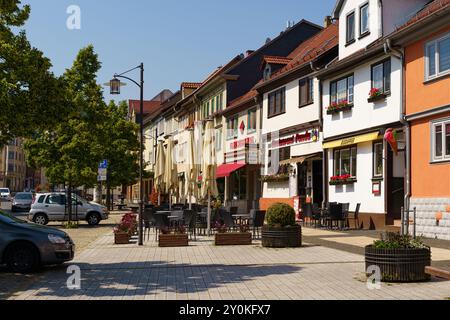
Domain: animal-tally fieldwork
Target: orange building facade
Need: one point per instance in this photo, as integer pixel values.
(427, 92)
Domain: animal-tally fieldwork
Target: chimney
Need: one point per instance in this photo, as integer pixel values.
(327, 22)
(249, 52)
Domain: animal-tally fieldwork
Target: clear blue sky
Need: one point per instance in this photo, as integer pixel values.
(177, 40)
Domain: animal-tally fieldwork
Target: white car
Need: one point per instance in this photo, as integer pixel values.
(48, 207)
(5, 193)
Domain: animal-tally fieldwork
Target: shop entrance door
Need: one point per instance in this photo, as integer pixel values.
(318, 182)
(395, 186)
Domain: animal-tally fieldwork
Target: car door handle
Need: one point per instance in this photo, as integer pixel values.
(46, 206)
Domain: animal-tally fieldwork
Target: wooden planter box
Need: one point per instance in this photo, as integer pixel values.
(121, 238)
(338, 110)
(342, 182)
(233, 239)
(173, 240)
(287, 237)
(400, 265)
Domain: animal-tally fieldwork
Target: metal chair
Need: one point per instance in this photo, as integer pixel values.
(345, 210)
(190, 222)
(316, 214)
(233, 210)
(161, 223)
(307, 213)
(335, 214)
(227, 219)
(258, 222)
(149, 221)
(354, 216)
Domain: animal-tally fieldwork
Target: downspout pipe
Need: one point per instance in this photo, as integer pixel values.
(389, 49)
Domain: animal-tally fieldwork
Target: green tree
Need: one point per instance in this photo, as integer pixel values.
(121, 148)
(30, 95)
(72, 150)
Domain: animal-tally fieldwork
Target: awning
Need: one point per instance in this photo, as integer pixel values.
(293, 161)
(226, 170)
(352, 140)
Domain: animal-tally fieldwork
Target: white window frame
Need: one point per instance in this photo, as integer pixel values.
(364, 32)
(378, 143)
(434, 43)
(336, 164)
(445, 157)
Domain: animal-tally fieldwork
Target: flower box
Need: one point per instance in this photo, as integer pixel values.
(381, 96)
(342, 180)
(275, 178)
(338, 107)
(121, 238)
(233, 239)
(173, 240)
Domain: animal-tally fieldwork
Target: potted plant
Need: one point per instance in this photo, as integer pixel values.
(177, 237)
(376, 94)
(224, 238)
(130, 220)
(121, 234)
(281, 230)
(400, 258)
(337, 107)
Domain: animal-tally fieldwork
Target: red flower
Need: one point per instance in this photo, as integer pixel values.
(374, 92)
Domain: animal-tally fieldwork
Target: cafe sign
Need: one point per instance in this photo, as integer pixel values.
(299, 138)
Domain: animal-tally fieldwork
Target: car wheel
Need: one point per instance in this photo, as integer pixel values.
(93, 219)
(41, 219)
(22, 258)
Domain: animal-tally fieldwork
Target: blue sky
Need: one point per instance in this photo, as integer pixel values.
(176, 40)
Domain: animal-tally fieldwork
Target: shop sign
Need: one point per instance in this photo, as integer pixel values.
(242, 143)
(308, 136)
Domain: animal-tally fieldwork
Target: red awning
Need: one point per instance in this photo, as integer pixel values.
(226, 169)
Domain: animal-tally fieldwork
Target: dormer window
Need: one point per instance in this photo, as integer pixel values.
(350, 29)
(267, 72)
(364, 20)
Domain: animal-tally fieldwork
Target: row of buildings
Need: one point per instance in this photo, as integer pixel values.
(355, 111)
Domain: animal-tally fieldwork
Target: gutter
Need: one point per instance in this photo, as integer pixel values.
(389, 49)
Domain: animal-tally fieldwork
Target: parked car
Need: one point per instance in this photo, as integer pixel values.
(22, 201)
(52, 207)
(26, 246)
(5, 193)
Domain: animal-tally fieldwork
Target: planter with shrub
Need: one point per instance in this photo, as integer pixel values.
(400, 258)
(225, 238)
(281, 230)
(173, 238)
(126, 229)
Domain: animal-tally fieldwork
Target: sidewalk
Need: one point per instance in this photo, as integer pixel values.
(203, 271)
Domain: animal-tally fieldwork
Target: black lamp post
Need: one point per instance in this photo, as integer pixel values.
(115, 85)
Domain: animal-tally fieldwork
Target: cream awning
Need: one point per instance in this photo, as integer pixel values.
(352, 140)
(293, 161)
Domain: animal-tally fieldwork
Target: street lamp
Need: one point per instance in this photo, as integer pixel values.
(115, 85)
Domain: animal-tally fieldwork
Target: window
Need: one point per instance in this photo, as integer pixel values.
(56, 199)
(220, 102)
(41, 199)
(342, 90)
(277, 102)
(213, 105)
(10, 167)
(381, 76)
(350, 28)
(441, 141)
(364, 19)
(267, 72)
(437, 57)
(218, 139)
(378, 166)
(251, 122)
(232, 128)
(306, 91)
(345, 162)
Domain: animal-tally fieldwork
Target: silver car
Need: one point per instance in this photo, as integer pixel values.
(53, 207)
(22, 201)
(5, 193)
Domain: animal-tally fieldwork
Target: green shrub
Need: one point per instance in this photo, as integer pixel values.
(392, 240)
(280, 215)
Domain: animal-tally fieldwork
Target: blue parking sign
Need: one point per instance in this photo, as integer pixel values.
(103, 164)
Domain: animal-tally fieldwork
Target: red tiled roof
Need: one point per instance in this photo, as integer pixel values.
(426, 11)
(191, 85)
(149, 106)
(276, 60)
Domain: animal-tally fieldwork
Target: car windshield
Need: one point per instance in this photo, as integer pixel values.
(24, 196)
(5, 217)
(4, 191)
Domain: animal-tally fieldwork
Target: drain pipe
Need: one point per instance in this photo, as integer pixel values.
(400, 55)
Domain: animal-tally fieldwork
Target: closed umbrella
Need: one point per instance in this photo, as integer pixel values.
(170, 174)
(209, 167)
(159, 168)
(191, 187)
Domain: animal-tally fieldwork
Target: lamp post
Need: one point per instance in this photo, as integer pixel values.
(115, 85)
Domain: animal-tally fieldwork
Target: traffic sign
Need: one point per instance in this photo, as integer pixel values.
(103, 164)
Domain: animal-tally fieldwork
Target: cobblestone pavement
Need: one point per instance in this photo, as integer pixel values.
(203, 271)
(10, 283)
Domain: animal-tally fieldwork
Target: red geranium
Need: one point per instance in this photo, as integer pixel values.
(374, 92)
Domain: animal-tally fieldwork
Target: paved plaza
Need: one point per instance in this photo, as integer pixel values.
(203, 271)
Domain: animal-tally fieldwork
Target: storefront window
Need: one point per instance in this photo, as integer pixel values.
(238, 185)
(345, 162)
(378, 160)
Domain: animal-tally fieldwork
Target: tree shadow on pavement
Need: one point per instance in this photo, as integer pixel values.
(127, 280)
